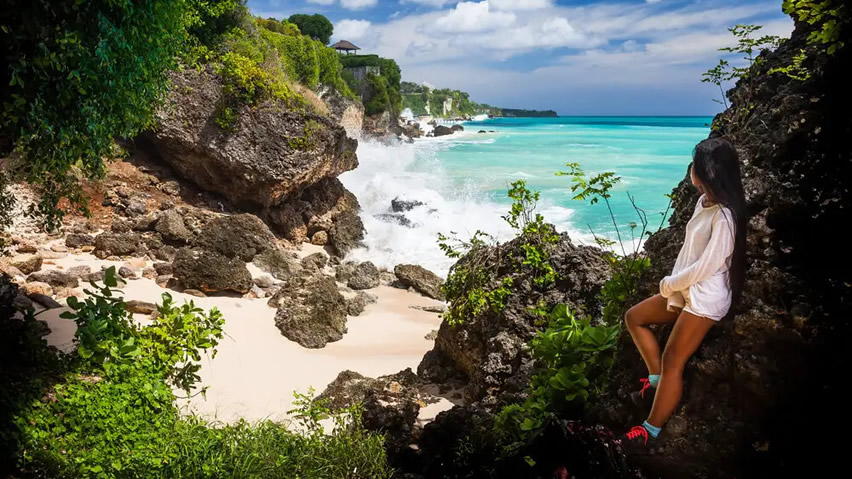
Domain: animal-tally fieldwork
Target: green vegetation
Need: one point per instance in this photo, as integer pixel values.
(306, 141)
(422, 101)
(315, 26)
(831, 18)
(381, 92)
(111, 412)
(470, 286)
(83, 74)
(747, 46)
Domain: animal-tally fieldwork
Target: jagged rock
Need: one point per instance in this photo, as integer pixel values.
(346, 233)
(311, 311)
(489, 351)
(36, 287)
(240, 236)
(10, 271)
(390, 404)
(421, 279)
(320, 238)
(270, 153)
(121, 226)
(211, 272)
(345, 271)
(136, 207)
(117, 244)
(395, 218)
(149, 273)
(358, 303)
(165, 253)
(140, 307)
(79, 272)
(145, 223)
(364, 276)
(171, 227)
(27, 264)
(316, 261)
(401, 206)
(442, 130)
(78, 240)
(279, 263)
(54, 278)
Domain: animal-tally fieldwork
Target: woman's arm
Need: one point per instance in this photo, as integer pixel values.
(718, 250)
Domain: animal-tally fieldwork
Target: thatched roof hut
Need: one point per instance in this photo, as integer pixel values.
(345, 46)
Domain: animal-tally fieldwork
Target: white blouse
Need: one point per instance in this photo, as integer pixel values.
(699, 281)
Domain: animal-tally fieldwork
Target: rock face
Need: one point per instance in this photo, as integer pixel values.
(279, 163)
(348, 113)
(364, 276)
(117, 244)
(279, 263)
(390, 404)
(771, 369)
(421, 279)
(210, 272)
(489, 351)
(240, 236)
(311, 311)
(270, 154)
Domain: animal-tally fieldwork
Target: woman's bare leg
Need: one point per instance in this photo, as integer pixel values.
(686, 337)
(650, 311)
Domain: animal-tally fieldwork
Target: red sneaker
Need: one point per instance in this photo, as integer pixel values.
(636, 441)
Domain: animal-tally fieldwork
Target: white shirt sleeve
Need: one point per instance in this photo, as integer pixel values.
(715, 255)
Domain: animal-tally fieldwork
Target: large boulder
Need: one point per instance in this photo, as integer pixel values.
(442, 130)
(279, 263)
(118, 244)
(364, 276)
(27, 264)
(311, 311)
(421, 279)
(346, 233)
(55, 278)
(240, 236)
(269, 154)
(489, 350)
(172, 228)
(211, 272)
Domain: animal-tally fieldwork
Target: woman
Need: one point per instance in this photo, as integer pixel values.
(707, 278)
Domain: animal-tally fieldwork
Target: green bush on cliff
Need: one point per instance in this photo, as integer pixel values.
(387, 83)
(316, 26)
(113, 414)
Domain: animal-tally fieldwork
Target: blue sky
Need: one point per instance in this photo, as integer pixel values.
(578, 57)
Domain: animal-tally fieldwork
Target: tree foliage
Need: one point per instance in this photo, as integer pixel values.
(79, 75)
(315, 26)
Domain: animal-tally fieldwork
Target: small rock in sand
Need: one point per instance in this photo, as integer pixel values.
(87, 248)
(257, 292)
(163, 280)
(357, 304)
(135, 264)
(421, 279)
(126, 273)
(78, 240)
(11, 271)
(140, 307)
(28, 264)
(58, 248)
(149, 273)
(54, 278)
(440, 309)
(79, 272)
(194, 292)
(263, 282)
(45, 301)
(37, 287)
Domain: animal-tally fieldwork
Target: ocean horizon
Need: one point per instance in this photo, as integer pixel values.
(462, 179)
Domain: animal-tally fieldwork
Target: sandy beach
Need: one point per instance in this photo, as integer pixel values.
(257, 369)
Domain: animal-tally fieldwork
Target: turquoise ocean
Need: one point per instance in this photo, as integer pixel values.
(462, 179)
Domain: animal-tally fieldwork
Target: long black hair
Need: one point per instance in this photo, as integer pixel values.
(716, 164)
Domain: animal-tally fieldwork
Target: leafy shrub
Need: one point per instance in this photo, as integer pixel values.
(574, 358)
(114, 415)
(316, 26)
(79, 75)
(470, 286)
(831, 17)
(378, 94)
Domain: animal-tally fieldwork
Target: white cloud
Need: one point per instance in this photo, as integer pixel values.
(470, 17)
(322, 2)
(351, 29)
(520, 4)
(358, 4)
(430, 3)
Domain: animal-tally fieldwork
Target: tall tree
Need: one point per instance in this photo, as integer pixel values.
(315, 26)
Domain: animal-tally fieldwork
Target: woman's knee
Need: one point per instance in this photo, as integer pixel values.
(630, 317)
(673, 361)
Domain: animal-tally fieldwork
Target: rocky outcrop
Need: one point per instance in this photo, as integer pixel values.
(279, 263)
(489, 351)
(277, 162)
(442, 130)
(118, 244)
(364, 276)
(311, 311)
(390, 404)
(211, 272)
(349, 114)
(242, 236)
(384, 126)
(421, 279)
